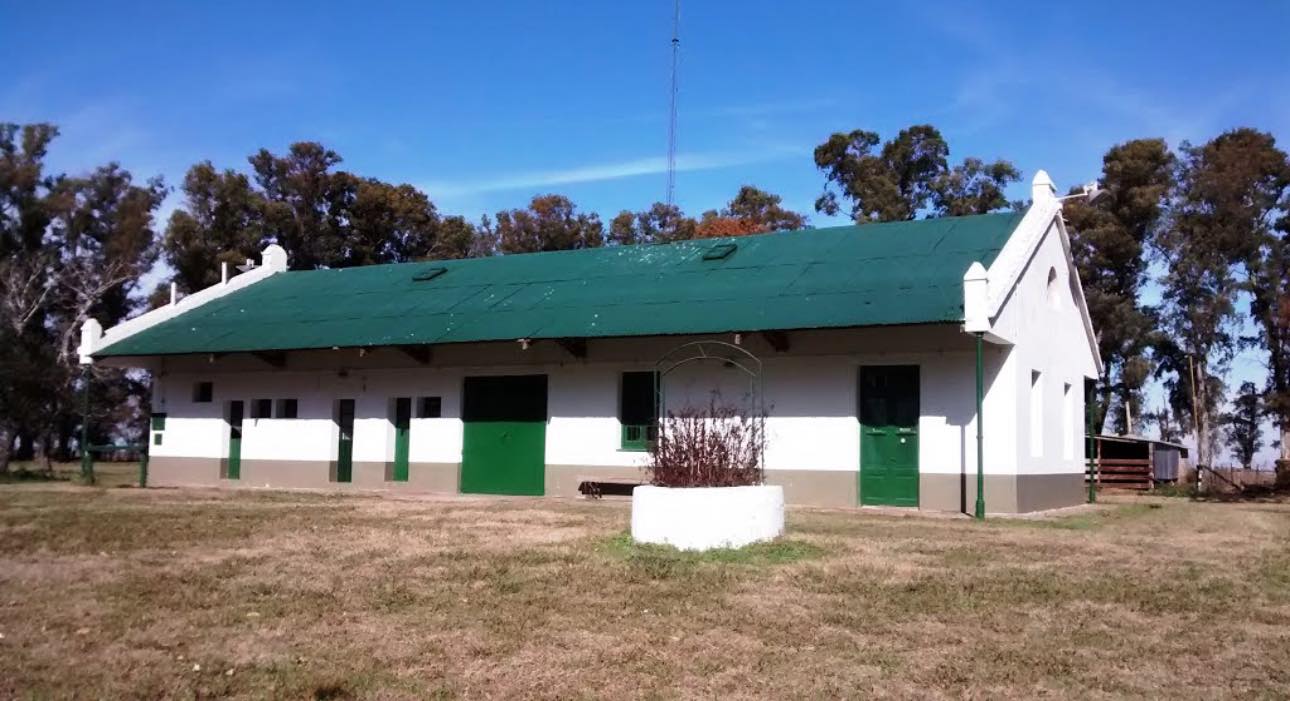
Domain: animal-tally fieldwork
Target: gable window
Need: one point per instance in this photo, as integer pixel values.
(638, 410)
(1054, 292)
(1036, 414)
(429, 407)
(262, 409)
(286, 409)
(203, 392)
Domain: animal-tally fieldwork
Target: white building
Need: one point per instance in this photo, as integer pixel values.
(532, 374)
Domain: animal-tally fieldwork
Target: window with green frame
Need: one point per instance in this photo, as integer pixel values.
(638, 410)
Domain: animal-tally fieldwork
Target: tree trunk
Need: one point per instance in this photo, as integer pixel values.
(1283, 465)
(6, 450)
(66, 428)
(1105, 392)
(1201, 390)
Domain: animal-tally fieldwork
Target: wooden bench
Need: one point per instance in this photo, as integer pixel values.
(600, 486)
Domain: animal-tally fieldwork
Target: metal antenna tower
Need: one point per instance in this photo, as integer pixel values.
(671, 123)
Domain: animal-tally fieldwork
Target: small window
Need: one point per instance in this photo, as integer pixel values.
(429, 407)
(1054, 290)
(1036, 414)
(262, 409)
(429, 274)
(203, 392)
(638, 410)
(720, 251)
(286, 409)
(156, 439)
(159, 421)
(1070, 424)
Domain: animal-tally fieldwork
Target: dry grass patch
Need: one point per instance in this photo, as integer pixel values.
(169, 593)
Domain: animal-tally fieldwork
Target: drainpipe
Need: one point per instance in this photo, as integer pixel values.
(980, 430)
(1090, 443)
(976, 321)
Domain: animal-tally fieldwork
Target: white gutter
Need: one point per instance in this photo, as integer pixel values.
(986, 291)
(94, 338)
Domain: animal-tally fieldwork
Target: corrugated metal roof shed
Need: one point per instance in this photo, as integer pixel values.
(877, 274)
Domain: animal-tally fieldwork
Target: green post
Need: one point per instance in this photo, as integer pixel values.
(87, 456)
(980, 430)
(1090, 444)
(143, 466)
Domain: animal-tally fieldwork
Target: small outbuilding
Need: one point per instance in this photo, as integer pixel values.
(1138, 462)
(887, 358)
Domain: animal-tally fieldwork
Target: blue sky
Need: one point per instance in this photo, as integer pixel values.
(485, 104)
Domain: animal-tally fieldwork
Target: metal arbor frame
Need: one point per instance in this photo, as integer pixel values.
(729, 354)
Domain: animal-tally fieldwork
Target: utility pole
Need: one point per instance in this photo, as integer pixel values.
(87, 457)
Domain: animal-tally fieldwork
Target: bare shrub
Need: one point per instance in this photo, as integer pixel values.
(720, 445)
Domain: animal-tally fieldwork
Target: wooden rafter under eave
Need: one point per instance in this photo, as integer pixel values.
(577, 347)
(276, 359)
(777, 340)
(420, 353)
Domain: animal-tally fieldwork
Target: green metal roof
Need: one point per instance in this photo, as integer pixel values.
(876, 274)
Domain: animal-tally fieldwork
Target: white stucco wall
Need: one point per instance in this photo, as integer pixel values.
(1046, 330)
(810, 398)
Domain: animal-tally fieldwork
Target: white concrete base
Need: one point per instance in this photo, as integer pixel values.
(704, 518)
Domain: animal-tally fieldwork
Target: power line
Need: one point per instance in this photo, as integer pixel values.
(671, 123)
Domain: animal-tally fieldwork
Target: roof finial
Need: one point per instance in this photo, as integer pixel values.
(1042, 188)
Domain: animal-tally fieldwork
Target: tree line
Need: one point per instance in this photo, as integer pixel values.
(1209, 221)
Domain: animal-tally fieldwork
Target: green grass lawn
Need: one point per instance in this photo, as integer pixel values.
(196, 593)
(106, 474)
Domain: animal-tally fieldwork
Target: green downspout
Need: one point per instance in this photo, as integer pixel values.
(87, 457)
(980, 431)
(1090, 445)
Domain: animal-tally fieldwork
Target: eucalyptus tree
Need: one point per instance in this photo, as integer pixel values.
(1109, 242)
(1214, 249)
(906, 177)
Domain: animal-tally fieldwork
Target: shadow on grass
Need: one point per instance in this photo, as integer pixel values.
(1094, 520)
(665, 561)
(23, 475)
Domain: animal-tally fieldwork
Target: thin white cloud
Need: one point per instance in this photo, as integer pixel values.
(650, 165)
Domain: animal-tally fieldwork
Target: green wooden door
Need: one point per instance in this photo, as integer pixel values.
(889, 435)
(402, 422)
(504, 435)
(345, 448)
(235, 411)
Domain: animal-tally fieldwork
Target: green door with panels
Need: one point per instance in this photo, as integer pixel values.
(402, 422)
(235, 411)
(504, 435)
(889, 435)
(345, 446)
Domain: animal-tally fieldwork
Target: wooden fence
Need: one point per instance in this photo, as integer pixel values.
(1125, 473)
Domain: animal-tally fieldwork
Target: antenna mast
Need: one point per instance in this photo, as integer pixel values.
(671, 123)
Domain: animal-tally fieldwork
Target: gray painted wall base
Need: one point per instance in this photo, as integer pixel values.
(825, 488)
